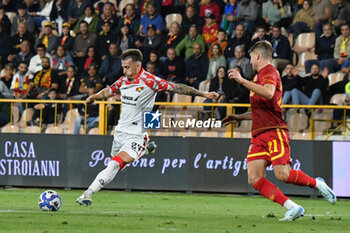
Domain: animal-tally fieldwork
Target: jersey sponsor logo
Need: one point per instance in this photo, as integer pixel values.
(139, 89)
(125, 97)
(152, 120)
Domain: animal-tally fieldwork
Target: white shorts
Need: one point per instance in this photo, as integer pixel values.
(134, 145)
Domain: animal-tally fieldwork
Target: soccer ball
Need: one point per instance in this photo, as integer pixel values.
(50, 201)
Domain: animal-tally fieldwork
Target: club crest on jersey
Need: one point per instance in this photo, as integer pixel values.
(139, 89)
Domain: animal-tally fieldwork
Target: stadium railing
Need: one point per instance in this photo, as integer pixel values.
(314, 124)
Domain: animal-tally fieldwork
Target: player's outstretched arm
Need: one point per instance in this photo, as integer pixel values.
(234, 119)
(187, 90)
(103, 94)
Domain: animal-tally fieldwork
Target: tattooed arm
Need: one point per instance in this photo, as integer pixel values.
(103, 94)
(187, 90)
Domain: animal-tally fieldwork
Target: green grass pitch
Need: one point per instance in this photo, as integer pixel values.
(143, 212)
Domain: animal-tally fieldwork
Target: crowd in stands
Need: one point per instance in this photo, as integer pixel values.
(68, 49)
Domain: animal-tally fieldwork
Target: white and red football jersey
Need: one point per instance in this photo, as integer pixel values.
(137, 96)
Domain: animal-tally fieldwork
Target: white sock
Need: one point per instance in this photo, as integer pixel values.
(318, 185)
(289, 204)
(103, 178)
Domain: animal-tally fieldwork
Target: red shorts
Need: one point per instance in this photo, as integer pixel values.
(272, 146)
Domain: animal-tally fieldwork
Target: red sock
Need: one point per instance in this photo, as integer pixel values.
(270, 191)
(120, 161)
(300, 178)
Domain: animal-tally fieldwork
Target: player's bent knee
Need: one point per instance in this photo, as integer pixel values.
(282, 176)
(253, 179)
(122, 164)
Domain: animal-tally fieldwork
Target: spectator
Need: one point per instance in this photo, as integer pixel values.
(143, 4)
(5, 111)
(303, 20)
(91, 114)
(90, 18)
(188, 42)
(196, 67)
(224, 87)
(243, 62)
(173, 68)
(311, 88)
(49, 110)
(217, 60)
(6, 80)
(76, 9)
(151, 42)
(101, 4)
(289, 82)
(151, 67)
(22, 17)
(151, 18)
(191, 18)
(24, 55)
(46, 13)
(69, 86)
(91, 77)
(8, 5)
(280, 48)
(65, 39)
(104, 39)
(240, 38)
(247, 14)
(20, 82)
(92, 56)
(32, 6)
(130, 18)
(321, 9)
(324, 48)
(43, 80)
(154, 58)
(5, 21)
(339, 14)
(21, 35)
(126, 38)
(276, 12)
(172, 39)
(111, 66)
(259, 35)
(338, 114)
(228, 23)
(62, 61)
(5, 45)
(341, 50)
(107, 16)
(47, 38)
(221, 40)
(82, 42)
(35, 62)
(209, 7)
(210, 29)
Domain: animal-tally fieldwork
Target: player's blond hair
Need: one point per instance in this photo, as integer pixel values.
(134, 54)
(264, 48)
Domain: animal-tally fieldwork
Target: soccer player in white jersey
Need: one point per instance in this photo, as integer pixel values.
(138, 90)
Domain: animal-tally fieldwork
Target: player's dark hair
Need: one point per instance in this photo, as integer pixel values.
(134, 54)
(263, 48)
